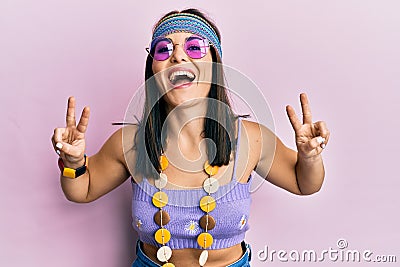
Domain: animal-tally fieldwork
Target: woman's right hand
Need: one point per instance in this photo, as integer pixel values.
(69, 142)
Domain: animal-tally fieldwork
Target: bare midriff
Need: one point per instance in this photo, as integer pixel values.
(190, 256)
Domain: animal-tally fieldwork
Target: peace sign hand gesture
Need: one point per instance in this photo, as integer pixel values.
(69, 142)
(311, 138)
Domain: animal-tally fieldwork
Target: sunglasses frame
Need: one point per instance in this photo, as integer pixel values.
(148, 49)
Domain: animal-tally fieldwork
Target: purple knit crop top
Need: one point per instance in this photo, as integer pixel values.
(231, 213)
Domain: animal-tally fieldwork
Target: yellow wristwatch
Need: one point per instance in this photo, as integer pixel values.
(72, 173)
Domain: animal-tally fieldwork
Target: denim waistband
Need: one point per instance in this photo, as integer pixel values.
(143, 260)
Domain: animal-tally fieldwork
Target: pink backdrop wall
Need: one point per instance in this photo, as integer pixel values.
(344, 54)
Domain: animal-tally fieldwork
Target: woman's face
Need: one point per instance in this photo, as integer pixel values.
(182, 77)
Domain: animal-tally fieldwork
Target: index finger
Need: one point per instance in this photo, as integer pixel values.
(305, 108)
(70, 119)
(296, 124)
(84, 120)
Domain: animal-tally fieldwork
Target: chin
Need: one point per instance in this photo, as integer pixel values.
(184, 102)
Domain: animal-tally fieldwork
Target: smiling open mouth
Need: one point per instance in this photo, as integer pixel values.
(181, 77)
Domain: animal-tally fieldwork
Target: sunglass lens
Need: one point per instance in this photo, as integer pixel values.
(196, 47)
(163, 49)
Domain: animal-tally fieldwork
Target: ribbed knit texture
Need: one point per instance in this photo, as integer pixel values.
(231, 213)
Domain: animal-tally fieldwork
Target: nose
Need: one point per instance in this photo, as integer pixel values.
(178, 54)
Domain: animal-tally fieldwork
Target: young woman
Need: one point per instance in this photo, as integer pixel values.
(190, 157)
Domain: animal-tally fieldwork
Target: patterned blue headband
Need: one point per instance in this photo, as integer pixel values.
(185, 22)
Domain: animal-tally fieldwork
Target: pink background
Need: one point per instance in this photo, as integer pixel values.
(344, 54)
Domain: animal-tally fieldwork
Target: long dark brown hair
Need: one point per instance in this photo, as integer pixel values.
(148, 140)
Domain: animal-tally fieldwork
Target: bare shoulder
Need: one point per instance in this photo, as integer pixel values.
(120, 144)
(253, 128)
(262, 144)
(257, 132)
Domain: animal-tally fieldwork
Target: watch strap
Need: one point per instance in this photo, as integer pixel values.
(72, 173)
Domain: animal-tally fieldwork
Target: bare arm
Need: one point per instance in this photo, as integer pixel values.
(300, 172)
(106, 169)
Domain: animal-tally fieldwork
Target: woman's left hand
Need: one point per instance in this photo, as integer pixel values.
(311, 138)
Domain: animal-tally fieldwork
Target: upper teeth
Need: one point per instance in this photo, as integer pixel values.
(181, 72)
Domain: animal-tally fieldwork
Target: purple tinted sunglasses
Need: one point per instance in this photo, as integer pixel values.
(162, 48)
